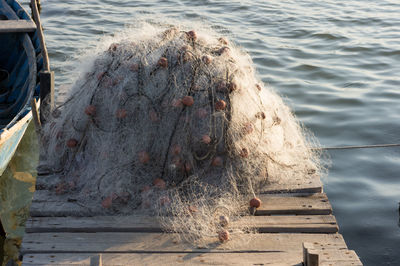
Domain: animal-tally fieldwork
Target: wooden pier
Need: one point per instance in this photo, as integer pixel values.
(295, 222)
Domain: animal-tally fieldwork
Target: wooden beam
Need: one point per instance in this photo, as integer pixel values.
(15, 26)
(296, 185)
(199, 258)
(310, 205)
(47, 203)
(316, 255)
(141, 223)
(312, 258)
(237, 259)
(2, 232)
(157, 242)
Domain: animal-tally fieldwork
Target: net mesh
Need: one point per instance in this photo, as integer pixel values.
(174, 124)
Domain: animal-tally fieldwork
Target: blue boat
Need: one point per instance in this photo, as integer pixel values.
(23, 67)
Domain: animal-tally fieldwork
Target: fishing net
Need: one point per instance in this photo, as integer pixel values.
(175, 124)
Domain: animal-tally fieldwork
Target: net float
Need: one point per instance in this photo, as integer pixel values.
(163, 62)
(159, 183)
(176, 149)
(107, 202)
(206, 139)
(223, 236)
(255, 202)
(143, 157)
(188, 100)
(217, 161)
(206, 59)
(248, 128)
(90, 110)
(121, 113)
(220, 105)
(192, 35)
(244, 153)
(72, 143)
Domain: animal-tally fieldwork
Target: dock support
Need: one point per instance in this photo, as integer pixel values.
(2, 232)
(96, 260)
(310, 256)
(46, 94)
(35, 116)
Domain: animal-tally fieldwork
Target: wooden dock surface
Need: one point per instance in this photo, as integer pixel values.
(295, 222)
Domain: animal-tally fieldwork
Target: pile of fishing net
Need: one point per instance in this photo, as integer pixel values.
(174, 124)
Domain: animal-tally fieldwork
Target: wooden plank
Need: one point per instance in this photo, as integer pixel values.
(312, 185)
(314, 255)
(158, 242)
(265, 258)
(58, 209)
(290, 224)
(333, 256)
(141, 223)
(341, 263)
(44, 182)
(311, 205)
(10, 26)
(46, 203)
(46, 196)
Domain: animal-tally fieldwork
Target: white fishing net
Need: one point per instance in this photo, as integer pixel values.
(173, 122)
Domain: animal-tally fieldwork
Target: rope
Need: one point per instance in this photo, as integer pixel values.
(359, 147)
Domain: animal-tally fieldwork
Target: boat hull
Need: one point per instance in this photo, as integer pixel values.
(10, 139)
(21, 58)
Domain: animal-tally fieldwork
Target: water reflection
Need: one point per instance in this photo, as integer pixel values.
(17, 185)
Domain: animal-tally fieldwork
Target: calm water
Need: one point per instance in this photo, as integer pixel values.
(336, 62)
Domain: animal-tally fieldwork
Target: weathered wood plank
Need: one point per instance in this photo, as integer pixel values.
(46, 203)
(49, 196)
(326, 255)
(273, 259)
(141, 223)
(158, 242)
(57, 209)
(333, 256)
(290, 224)
(313, 185)
(341, 263)
(264, 258)
(9, 26)
(311, 205)
(44, 182)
